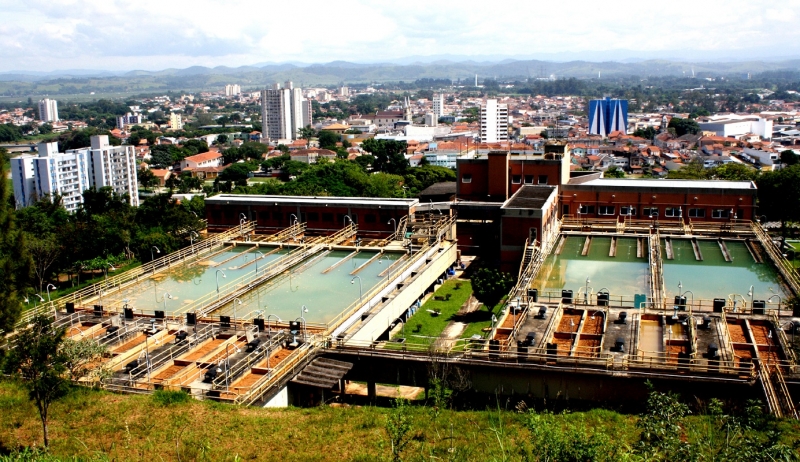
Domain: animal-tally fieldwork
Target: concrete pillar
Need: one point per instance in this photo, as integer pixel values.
(372, 391)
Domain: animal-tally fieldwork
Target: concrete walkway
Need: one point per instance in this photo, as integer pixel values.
(454, 329)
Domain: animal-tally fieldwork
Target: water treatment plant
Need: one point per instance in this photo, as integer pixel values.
(286, 298)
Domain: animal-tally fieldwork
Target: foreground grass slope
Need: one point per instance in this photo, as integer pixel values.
(97, 425)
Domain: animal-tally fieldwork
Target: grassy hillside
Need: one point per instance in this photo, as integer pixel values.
(96, 425)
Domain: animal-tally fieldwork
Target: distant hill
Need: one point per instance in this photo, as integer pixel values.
(76, 82)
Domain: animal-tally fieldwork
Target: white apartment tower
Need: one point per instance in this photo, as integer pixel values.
(284, 112)
(438, 106)
(115, 167)
(232, 90)
(69, 174)
(48, 110)
(494, 122)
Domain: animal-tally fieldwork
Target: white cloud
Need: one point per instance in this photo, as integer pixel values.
(153, 34)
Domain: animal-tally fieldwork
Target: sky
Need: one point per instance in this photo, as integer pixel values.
(49, 35)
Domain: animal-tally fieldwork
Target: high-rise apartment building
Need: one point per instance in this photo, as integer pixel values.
(69, 174)
(494, 122)
(284, 112)
(232, 90)
(129, 119)
(48, 110)
(608, 115)
(175, 121)
(438, 105)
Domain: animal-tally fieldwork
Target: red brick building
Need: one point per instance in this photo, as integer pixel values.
(688, 200)
(323, 215)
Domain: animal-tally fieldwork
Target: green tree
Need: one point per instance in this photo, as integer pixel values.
(146, 178)
(235, 172)
(389, 155)
(490, 285)
(199, 145)
(694, 170)
(647, 133)
(734, 171)
(80, 357)
(16, 264)
(788, 157)
(37, 361)
(662, 427)
(328, 139)
(779, 195)
(161, 158)
(614, 172)
(306, 132)
(684, 126)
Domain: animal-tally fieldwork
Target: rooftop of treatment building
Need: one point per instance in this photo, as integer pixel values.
(672, 184)
(530, 197)
(332, 201)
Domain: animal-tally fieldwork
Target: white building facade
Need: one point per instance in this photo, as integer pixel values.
(494, 122)
(734, 126)
(232, 90)
(69, 174)
(48, 110)
(284, 112)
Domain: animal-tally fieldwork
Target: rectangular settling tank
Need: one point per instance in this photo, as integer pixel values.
(713, 276)
(623, 274)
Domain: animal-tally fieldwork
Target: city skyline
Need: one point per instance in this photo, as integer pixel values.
(47, 36)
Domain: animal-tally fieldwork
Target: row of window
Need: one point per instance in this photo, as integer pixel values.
(515, 179)
(652, 212)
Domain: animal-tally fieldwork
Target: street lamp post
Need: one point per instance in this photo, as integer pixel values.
(751, 294)
(347, 217)
(586, 292)
(360, 293)
(780, 300)
(269, 331)
(303, 309)
(388, 268)
(192, 235)
(41, 299)
(166, 296)
(48, 295)
(152, 257)
(392, 222)
(257, 258)
(216, 277)
(235, 300)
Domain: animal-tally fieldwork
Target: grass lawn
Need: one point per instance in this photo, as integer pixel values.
(90, 425)
(480, 319)
(424, 324)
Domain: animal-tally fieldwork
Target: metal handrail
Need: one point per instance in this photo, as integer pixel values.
(783, 265)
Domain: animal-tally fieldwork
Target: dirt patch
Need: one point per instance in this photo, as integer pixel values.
(168, 372)
(276, 357)
(569, 323)
(737, 333)
(762, 334)
(593, 326)
(138, 340)
(204, 349)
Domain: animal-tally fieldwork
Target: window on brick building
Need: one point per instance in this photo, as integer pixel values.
(466, 178)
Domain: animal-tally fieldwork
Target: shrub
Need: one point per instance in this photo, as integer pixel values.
(168, 397)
